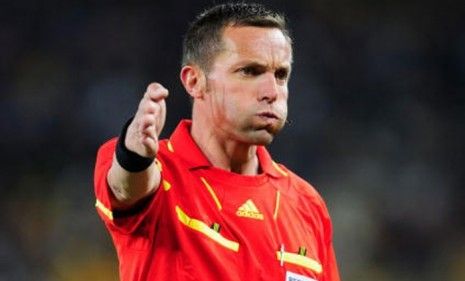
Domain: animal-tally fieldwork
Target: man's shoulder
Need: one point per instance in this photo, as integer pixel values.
(303, 188)
(306, 196)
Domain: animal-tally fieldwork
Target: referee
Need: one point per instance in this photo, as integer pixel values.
(209, 203)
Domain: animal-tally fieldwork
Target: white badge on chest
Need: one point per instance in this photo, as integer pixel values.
(291, 276)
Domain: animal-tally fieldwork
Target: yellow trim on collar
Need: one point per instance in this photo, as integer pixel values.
(279, 169)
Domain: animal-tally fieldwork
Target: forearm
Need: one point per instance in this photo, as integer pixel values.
(130, 187)
(134, 174)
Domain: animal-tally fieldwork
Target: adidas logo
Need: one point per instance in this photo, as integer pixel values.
(249, 210)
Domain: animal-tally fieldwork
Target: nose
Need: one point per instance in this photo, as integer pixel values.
(269, 89)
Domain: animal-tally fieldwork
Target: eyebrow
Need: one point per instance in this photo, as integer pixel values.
(253, 63)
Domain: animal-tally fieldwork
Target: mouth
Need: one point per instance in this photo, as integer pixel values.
(268, 115)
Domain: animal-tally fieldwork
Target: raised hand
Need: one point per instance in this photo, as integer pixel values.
(142, 134)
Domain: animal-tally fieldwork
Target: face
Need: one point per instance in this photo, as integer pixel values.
(246, 93)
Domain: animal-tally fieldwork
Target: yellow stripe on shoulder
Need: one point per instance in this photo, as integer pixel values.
(170, 146)
(212, 193)
(107, 212)
(276, 206)
(166, 185)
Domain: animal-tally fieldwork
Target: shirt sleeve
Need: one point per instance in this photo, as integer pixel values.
(330, 263)
(126, 221)
(331, 272)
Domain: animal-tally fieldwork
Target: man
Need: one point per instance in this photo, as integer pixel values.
(209, 203)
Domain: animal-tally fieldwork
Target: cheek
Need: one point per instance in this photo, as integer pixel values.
(232, 109)
(281, 104)
(233, 101)
(282, 108)
(226, 106)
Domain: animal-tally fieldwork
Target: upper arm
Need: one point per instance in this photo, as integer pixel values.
(125, 218)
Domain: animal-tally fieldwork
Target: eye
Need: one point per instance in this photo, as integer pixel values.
(251, 71)
(282, 74)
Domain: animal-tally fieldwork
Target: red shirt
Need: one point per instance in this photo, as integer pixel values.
(205, 223)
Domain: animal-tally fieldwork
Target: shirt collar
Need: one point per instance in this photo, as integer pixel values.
(182, 144)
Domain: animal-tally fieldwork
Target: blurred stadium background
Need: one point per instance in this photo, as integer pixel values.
(377, 110)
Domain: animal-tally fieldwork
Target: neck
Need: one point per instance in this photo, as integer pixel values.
(229, 155)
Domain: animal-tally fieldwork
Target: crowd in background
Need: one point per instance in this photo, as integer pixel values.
(377, 119)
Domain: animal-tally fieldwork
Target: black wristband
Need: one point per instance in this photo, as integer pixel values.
(130, 161)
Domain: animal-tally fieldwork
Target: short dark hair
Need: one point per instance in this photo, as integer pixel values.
(203, 40)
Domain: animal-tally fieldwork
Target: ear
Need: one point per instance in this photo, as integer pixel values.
(194, 81)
